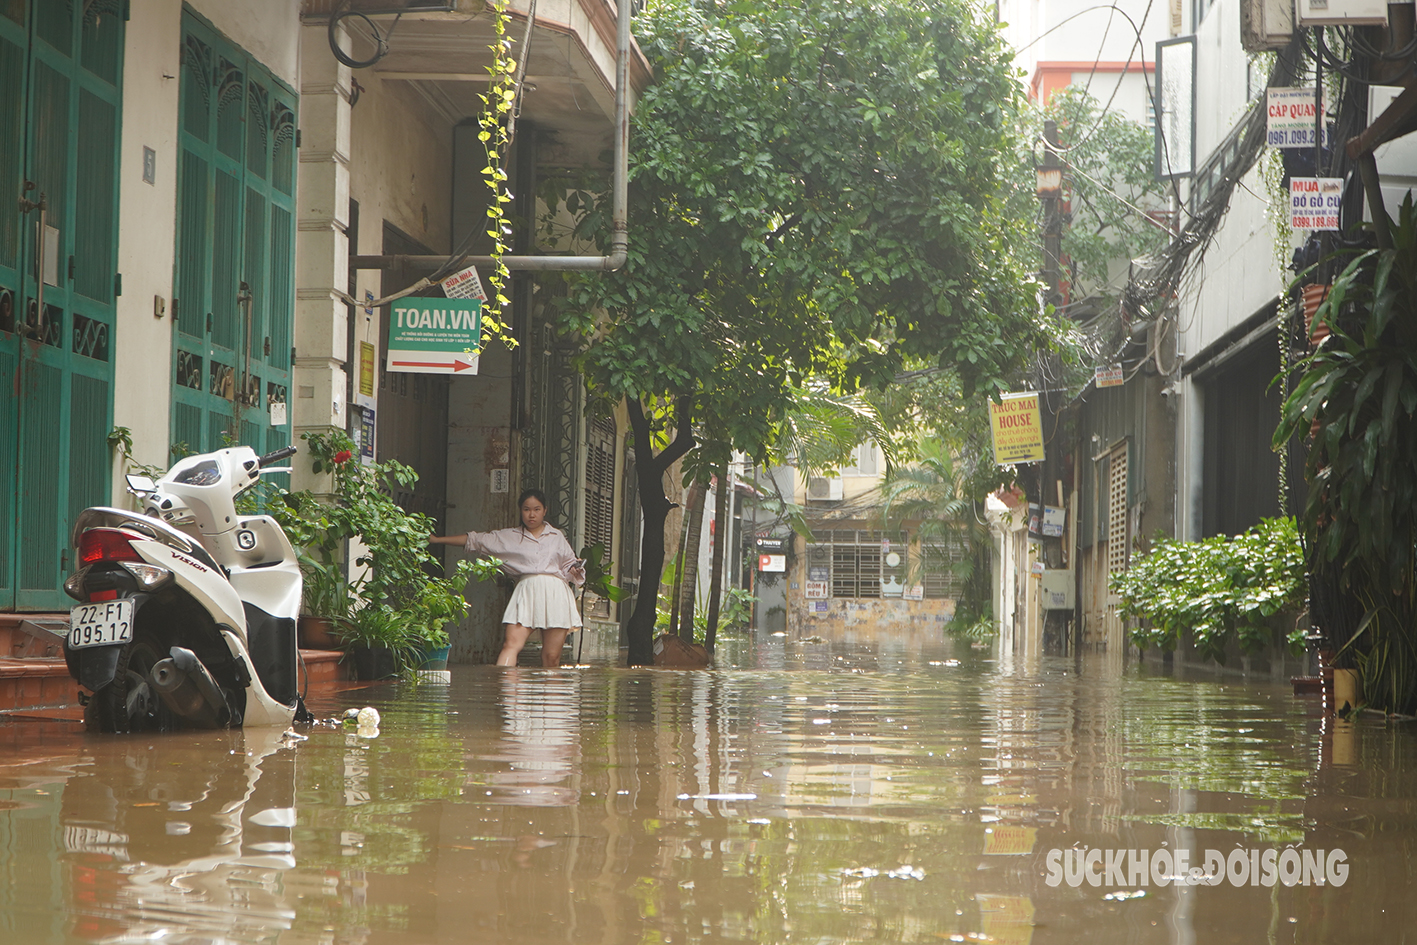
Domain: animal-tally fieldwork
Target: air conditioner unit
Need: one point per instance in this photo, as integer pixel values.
(1341, 12)
(1266, 24)
(824, 489)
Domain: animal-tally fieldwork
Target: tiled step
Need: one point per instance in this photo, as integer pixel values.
(38, 682)
(26, 635)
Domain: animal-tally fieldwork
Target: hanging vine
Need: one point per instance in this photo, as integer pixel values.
(1277, 209)
(498, 104)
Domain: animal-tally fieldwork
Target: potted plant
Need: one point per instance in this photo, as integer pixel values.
(392, 602)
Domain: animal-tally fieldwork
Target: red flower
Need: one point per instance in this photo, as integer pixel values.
(343, 456)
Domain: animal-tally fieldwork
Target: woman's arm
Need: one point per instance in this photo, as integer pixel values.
(447, 539)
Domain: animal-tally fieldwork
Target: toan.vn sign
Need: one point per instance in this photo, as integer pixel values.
(1314, 202)
(1018, 433)
(435, 336)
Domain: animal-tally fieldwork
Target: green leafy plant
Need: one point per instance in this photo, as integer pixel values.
(597, 574)
(1244, 589)
(392, 599)
(1356, 398)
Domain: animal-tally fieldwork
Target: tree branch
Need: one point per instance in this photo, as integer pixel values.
(683, 432)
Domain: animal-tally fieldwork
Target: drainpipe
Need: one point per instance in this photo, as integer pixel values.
(619, 203)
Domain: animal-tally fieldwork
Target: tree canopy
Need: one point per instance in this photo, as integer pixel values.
(815, 192)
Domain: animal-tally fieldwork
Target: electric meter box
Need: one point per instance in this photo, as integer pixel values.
(1341, 12)
(1057, 588)
(1266, 24)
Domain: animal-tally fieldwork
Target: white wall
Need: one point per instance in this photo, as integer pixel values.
(147, 215)
(267, 29)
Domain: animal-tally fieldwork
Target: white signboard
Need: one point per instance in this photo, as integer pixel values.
(1314, 202)
(435, 336)
(1291, 118)
(816, 590)
(465, 285)
(914, 592)
(772, 562)
(1109, 375)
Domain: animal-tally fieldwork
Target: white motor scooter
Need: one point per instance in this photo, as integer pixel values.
(186, 614)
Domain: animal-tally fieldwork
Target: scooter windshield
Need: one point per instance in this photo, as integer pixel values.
(205, 473)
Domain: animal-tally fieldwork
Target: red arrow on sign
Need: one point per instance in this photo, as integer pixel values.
(457, 365)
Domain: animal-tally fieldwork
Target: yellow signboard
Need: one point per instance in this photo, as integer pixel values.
(1017, 429)
(366, 368)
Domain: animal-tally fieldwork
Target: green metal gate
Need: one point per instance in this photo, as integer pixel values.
(235, 248)
(61, 64)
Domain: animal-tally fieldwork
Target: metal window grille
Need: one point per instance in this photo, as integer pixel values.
(855, 561)
(1117, 510)
(600, 495)
(940, 561)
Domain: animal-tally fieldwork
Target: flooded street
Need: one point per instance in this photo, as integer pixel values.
(861, 791)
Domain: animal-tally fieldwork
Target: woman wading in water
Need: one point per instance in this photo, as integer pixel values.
(539, 557)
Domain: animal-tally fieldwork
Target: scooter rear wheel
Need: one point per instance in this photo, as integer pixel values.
(129, 704)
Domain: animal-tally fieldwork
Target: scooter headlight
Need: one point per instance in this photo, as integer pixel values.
(150, 576)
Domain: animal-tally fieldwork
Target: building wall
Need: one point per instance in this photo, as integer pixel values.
(269, 30)
(147, 215)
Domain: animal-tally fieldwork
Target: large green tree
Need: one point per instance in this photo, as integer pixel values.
(815, 192)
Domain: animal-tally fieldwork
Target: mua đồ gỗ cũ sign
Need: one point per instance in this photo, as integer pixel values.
(435, 336)
(1314, 202)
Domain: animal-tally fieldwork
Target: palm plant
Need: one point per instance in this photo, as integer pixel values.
(936, 492)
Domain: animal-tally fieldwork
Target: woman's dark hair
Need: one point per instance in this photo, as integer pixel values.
(536, 494)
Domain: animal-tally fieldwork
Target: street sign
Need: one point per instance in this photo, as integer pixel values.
(772, 563)
(1109, 375)
(465, 285)
(435, 336)
(1314, 202)
(1018, 432)
(1290, 118)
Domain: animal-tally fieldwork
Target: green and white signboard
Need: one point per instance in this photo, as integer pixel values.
(435, 336)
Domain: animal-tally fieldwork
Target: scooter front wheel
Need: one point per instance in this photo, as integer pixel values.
(129, 704)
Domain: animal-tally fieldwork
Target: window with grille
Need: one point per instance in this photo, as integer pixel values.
(940, 562)
(1117, 510)
(853, 561)
(600, 494)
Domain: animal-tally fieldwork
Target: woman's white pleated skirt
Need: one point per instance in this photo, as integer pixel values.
(542, 601)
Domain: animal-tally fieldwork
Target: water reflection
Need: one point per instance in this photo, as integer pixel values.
(893, 790)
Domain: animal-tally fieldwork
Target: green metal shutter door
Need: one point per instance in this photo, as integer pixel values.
(42, 387)
(60, 129)
(236, 239)
(9, 421)
(12, 78)
(88, 453)
(97, 199)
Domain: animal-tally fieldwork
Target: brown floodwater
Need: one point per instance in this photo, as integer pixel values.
(872, 789)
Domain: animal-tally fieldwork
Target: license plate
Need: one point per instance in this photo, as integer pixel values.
(101, 624)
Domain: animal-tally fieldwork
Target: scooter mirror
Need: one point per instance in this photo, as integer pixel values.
(141, 485)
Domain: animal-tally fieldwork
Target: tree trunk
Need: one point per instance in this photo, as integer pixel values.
(689, 554)
(655, 507)
(721, 530)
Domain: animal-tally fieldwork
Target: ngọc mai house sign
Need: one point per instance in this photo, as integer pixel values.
(1017, 429)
